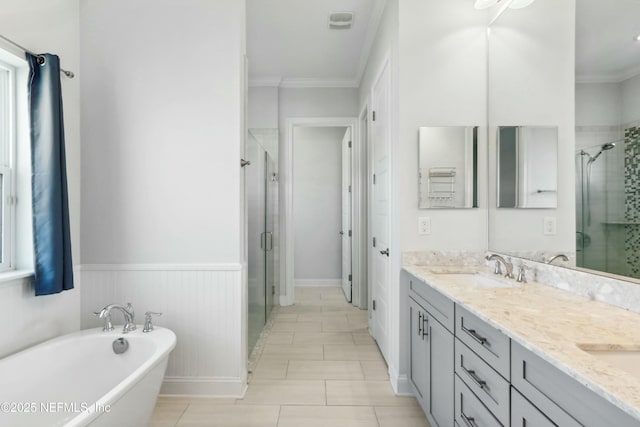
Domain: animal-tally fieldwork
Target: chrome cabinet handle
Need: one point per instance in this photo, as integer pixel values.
(469, 421)
(475, 335)
(385, 252)
(476, 379)
(419, 323)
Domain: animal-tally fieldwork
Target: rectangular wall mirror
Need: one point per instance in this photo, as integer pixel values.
(448, 167)
(527, 167)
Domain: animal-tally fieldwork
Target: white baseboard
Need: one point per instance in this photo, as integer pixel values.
(400, 383)
(203, 387)
(319, 282)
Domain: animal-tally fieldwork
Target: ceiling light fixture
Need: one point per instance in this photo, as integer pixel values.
(515, 4)
(638, 38)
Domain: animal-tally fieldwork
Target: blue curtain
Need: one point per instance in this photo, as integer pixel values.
(51, 234)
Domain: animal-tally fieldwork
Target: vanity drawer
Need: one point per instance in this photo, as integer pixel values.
(523, 413)
(556, 394)
(469, 411)
(486, 384)
(438, 305)
(486, 341)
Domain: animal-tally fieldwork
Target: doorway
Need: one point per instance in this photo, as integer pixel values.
(319, 204)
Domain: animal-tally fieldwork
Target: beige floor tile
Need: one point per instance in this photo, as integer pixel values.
(167, 413)
(300, 309)
(322, 338)
(324, 370)
(230, 416)
(374, 369)
(316, 317)
(322, 416)
(338, 308)
(389, 416)
(292, 352)
(351, 352)
(273, 369)
(284, 392)
(366, 393)
(363, 338)
(336, 325)
(195, 400)
(280, 338)
(297, 327)
(285, 317)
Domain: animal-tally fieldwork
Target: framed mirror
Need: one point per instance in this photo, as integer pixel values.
(448, 167)
(527, 167)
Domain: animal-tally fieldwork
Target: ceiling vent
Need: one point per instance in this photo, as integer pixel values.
(341, 21)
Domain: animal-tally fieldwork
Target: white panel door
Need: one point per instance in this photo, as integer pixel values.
(346, 215)
(380, 215)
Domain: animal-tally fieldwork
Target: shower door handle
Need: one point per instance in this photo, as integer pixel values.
(263, 239)
(270, 246)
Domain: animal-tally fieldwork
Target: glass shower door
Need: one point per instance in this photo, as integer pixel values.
(256, 206)
(271, 204)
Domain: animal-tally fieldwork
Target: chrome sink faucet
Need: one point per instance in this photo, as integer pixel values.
(126, 311)
(563, 257)
(508, 266)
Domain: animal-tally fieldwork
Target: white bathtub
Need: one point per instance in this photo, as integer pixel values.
(78, 380)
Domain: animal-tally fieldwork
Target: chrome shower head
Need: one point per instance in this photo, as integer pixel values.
(605, 147)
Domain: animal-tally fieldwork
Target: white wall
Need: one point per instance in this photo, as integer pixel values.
(263, 108)
(46, 26)
(598, 104)
(163, 102)
(532, 81)
(317, 204)
(630, 106)
(160, 137)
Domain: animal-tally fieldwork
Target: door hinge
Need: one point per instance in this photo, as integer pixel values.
(374, 179)
(374, 242)
(374, 305)
(374, 116)
(349, 144)
(349, 189)
(349, 233)
(273, 290)
(350, 278)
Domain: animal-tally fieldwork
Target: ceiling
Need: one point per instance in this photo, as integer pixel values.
(606, 49)
(289, 43)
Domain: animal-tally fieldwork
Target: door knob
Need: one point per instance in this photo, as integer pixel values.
(342, 233)
(244, 163)
(385, 252)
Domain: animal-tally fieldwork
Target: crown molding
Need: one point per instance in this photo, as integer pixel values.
(265, 82)
(303, 83)
(608, 78)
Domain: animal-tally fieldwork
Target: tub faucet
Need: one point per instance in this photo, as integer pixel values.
(126, 311)
(508, 266)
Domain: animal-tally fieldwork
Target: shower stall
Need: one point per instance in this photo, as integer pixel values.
(606, 216)
(262, 228)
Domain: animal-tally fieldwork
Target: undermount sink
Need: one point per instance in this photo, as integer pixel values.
(625, 360)
(479, 279)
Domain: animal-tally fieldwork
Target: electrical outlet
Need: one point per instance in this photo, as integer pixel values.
(549, 226)
(424, 225)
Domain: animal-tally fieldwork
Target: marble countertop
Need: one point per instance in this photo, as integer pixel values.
(553, 324)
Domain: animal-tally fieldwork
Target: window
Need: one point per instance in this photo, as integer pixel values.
(7, 153)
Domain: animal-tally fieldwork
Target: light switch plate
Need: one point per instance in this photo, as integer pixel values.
(550, 226)
(424, 225)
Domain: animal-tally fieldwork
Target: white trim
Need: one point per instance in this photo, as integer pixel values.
(361, 231)
(203, 387)
(265, 82)
(370, 37)
(400, 383)
(319, 282)
(287, 168)
(303, 83)
(160, 267)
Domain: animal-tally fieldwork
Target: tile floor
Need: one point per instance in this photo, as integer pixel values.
(318, 367)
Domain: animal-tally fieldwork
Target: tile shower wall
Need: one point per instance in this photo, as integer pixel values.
(632, 200)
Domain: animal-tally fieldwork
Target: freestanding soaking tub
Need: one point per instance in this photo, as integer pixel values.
(79, 380)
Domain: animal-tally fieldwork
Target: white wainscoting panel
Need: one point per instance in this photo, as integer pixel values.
(202, 304)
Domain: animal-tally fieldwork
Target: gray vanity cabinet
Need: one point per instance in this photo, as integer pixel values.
(524, 413)
(430, 360)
